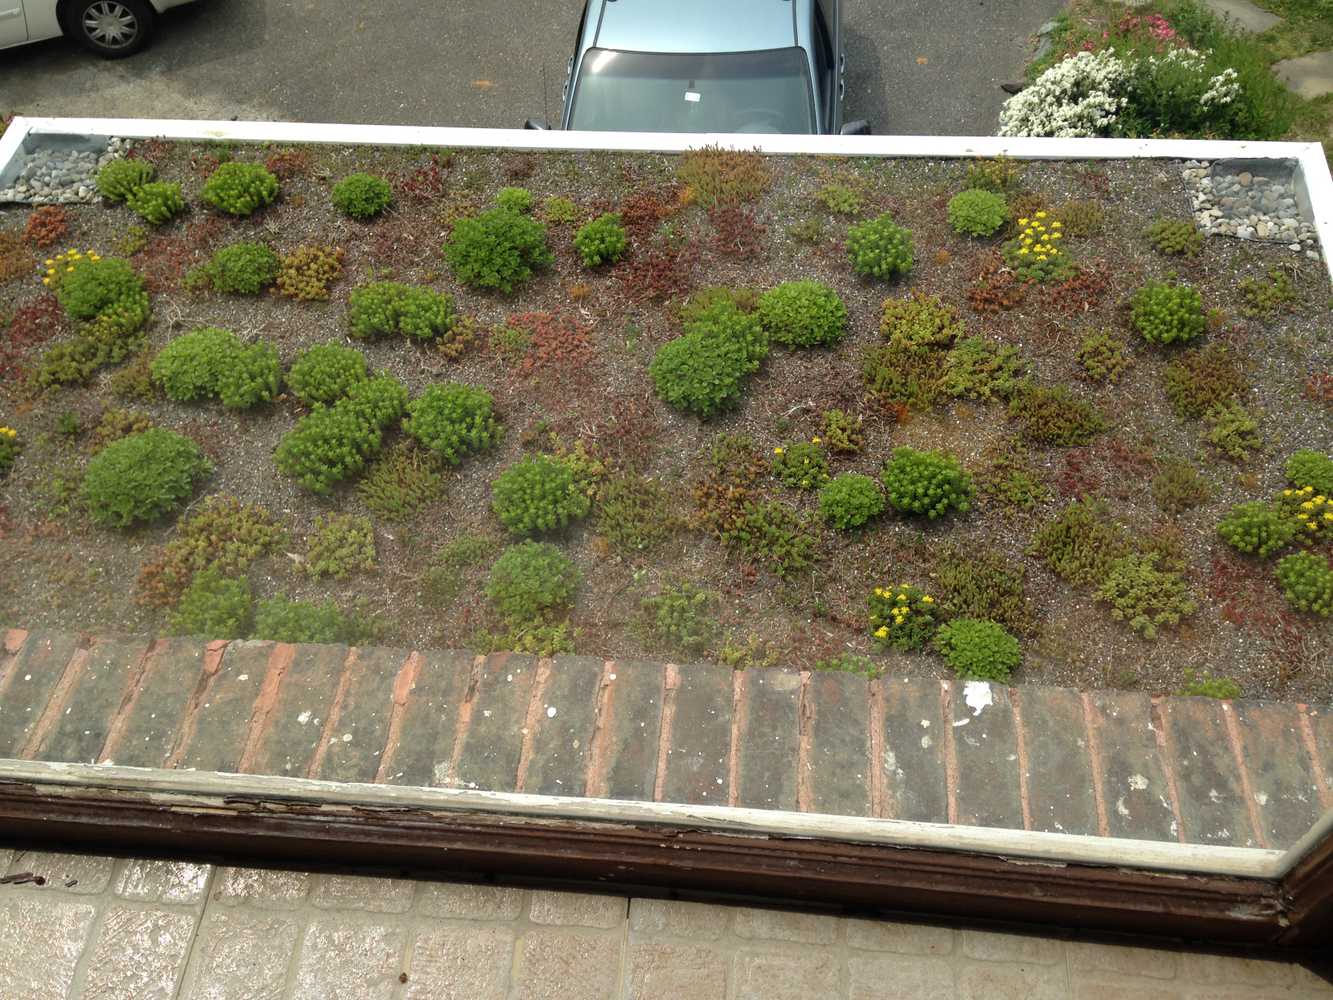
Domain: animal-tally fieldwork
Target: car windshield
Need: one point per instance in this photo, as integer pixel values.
(712, 92)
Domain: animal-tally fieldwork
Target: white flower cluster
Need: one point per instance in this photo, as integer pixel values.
(1222, 89)
(1076, 98)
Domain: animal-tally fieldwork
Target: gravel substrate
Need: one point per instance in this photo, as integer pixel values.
(61, 176)
(1248, 205)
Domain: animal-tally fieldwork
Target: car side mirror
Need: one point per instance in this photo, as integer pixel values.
(537, 123)
(858, 127)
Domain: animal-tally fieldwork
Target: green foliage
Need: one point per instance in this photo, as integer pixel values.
(1200, 379)
(10, 448)
(922, 321)
(389, 307)
(979, 650)
(851, 500)
(707, 304)
(362, 196)
(1144, 596)
(977, 212)
(1306, 580)
(530, 582)
(306, 273)
(1081, 544)
(679, 620)
(1308, 467)
(538, 494)
(401, 482)
(498, 249)
(282, 620)
(849, 663)
(141, 477)
(842, 432)
(926, 482)
(978, 582)
(117, 423)
(1178, 486)
(633, 514)
(339, 545)
(1081, 218)
(724, 177)
(241, 269)
(800, 465)
(97, 286)
(900, 373)
(1166, 313)
(1205, 685)
(1052, 415)
(1104, 357)
(1256, 528)
(601, 241)
(1266, 297)
(211, 363)
(325, 373)
(1233, 430)
(803, 314)
(880, 248)
(979, 369)
(334, 443)
(705, 370)
(449, 570)
(156, 202)
(453, 421)
(559, 211)
(1036, 253)
(1011, 477)
(119, 179)
(839, 199)
(1000, 174)
(773, 534)
(514, 199)
(239, 188)
(1175, 237)
(213, 607)
(902, 617)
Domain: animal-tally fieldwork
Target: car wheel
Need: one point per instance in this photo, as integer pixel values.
(111, 28)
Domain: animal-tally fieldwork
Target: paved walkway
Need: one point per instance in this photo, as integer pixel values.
(102, 929)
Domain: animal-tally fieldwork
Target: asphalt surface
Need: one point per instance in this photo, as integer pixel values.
(914, 67)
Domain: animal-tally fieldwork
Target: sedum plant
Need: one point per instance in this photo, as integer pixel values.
(1166, 313)
(531, 582)
(212, 363)
(851, 500)
(389, 307)
(325, 373)
(453, 421)
(601, 241)
(240, 269)
(156, 202)
(803, 314)
(1306, 580)
(880, 248)
(362, 196)
(902, 617)
(334, 443)
(926, 482)
(141, 477)
(705, 371)
(976, 212)
(979, 650)
(538, 494)
(1145, 596)
(1256, 529)
(497, 250)
(240, 188)
(118, 179)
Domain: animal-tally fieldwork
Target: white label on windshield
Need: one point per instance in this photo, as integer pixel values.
(692, 96)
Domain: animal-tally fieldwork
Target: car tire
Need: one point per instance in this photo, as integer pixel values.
(111, 28)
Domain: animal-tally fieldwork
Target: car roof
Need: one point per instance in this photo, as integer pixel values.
(696, 25)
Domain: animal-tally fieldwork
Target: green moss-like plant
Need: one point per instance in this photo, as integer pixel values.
(390, 307)
(1145, 596)
(538, 494)
(1165, 313)
(141, 478)
(453, 421)
(705, 371)
(325, 373)
(601, 241)
(979, 650)
(362, 196)
(880, 248)
(932, 483)
(803, 314)
(977, 212)
(851, 500)
(531, 582)
(240, 188)
(498, 249)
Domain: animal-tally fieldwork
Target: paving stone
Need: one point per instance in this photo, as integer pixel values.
(997, 946)
(993, 979)
(914, 775)
(294, 727)
(659, 969)
(1244, 14)
(631, 732)
(678, 918)
(697, 764)
(28, 683)
(461, 963)
(1212, 806)
(766, 764)
(356, 892)
(839, 743)
(1281, 775)
(43, 936)
(900, 938)
(987, 751)
(784, 925)
(1125, 960)
(577, 909)
(163, 881)
(1235, 970)
(565, 722)
(470, 902)
(215, 738)
(430, 719)
(241, 954)
(1310, 76)
(356, 742)
(494, 740)
(138, 953)
(278, 890)
(567, 965)
(346, 960)
(894, 977)
(1060, 786)
(791, 975)
(81, 874)
(92, 702)
(150, 728)
(1138, 799)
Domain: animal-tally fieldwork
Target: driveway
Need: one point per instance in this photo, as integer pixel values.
(916, 67)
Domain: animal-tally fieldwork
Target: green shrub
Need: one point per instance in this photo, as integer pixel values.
(926, 482)
(497, 249)
(325, 373)
(97, 285)
(851, 500)
(156, 202)
(119, 179)
(902, 617)
(976, 212)
(1052, 415)
(1144, 596)
(241, 269)
(773, 534)
(1081, 543)
(899, 373)
(679, 620)
(839, 199)
(110, 303)
(634, 514)
(530, 582)
(334, 443)
(1036, 253)
(559, 211)
(705, 370)
(842, 432)
(1200, 379)
(141, 477)
(1233, 430)
(922, 321)
(879, 248)
(978, 650)
(601, 241)
(1256, 528)
(514, 199)
(339, 545)
(209, 362)
(239, 188)
(362, 196)
(1081, 217)
(213, 607)
(538, 494)
(1308, 467)
(1175, 237)
(1207, 686)
(979, 582)
(803, 314)
(1166, 313)
(979, 369)
(453, 421)
(1011, 476)
(1307, 582)
(282, 620)
(999, 174)
(306, 273)
(800, 465)
(401, 482)
(1178, 486)
(388, 307)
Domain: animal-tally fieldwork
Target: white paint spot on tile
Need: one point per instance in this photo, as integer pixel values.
(1138, 782)
(978, 696)
(611, 676)
(303, 718)
(486, 712)
(925, 743)
(961, 722)
(347, 737)
(1214, 795)
(1122, 809)
(925, 723)
(550, 711)
(243, 677)
(1261, 798)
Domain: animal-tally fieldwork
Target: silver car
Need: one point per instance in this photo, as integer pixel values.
(708, 66)
(111, 28)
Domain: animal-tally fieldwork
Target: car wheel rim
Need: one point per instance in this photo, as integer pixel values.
(111, 25)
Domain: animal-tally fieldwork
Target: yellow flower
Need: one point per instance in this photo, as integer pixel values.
(814, 440)
(927, 599)
(1057, 224)
(1319, 499)
(46, 281)
(1022, 222)
(1308, 505)
(1286, 493)
(1328, 515)
(1041, 256)
(1311, 525)
(50, 261)
(1023, 251)
(68, 269)
(1041, 215)
(1056, 236)
(778, 451)
(1302, 515)
(881, 632)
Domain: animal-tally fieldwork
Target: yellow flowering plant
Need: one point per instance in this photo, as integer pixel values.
(1310, 513)
(1037, 253)
(10, 446)
(55, 268)
(802, 465)
(902, 617)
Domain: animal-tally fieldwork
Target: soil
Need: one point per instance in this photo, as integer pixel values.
(60, 571)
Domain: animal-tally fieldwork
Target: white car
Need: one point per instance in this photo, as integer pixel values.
(111, 28)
